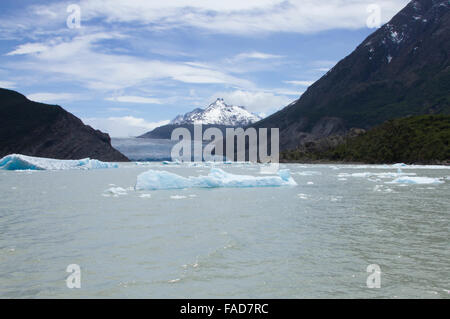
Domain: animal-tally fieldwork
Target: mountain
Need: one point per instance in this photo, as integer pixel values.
(42, 130)
(218, 114)
(402, 69)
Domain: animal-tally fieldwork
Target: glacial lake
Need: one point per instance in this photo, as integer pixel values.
(315, 239)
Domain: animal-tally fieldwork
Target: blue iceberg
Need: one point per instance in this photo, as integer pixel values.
(155, 180)
(16, 162)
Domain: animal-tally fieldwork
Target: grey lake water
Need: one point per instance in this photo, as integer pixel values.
(315, 239)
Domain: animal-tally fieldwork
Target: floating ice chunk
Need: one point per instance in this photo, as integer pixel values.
(115, 192)
(176, 162)
(145, 196)
(173, 281)
(336, 198)
(399, 173)
(154, 180)
(178, 197)
(382, 189)
(308, 173)
(22, 162)
(416, 180)
(303, 196)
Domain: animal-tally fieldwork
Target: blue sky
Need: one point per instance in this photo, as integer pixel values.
(135, 64)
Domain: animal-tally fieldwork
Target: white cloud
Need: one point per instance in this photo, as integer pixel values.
(287, 92)
(127, 126)
(79, 60)
(323, 69)
(7, 84)
(300, 83)
(52, 97)
(257, 55)
(218, 16)
(119, 109)
(255, 101)
(134, 99)
(28, 48)
(232, 16)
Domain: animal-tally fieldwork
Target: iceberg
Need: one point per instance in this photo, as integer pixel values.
(416, 180)
(115, 192)
(16, 162)
(156, 180)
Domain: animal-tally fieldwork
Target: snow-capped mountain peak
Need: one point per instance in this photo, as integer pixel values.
(218, 113)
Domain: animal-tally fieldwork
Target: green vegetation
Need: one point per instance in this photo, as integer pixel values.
(419, 139)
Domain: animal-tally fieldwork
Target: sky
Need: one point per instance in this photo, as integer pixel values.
(128, 66)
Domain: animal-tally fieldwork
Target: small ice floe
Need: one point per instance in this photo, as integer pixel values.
(178, 197)
(376, 177)
(155, 180)
(115, 192)
(336, 198)
(145, 196)
(171, 163)
(302, 196)
(174, 281)
(126, 284)
(21, 162)
(308, 173)
(382, 189)
(13, 188)
(416, 180)
(310, 183)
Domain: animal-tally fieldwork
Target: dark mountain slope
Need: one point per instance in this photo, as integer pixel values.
(37, 129)
(401, 69)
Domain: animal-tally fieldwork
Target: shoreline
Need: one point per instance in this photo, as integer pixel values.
(358, 163)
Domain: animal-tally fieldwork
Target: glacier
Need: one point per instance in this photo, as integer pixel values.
(15, 162)
(157, 180)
